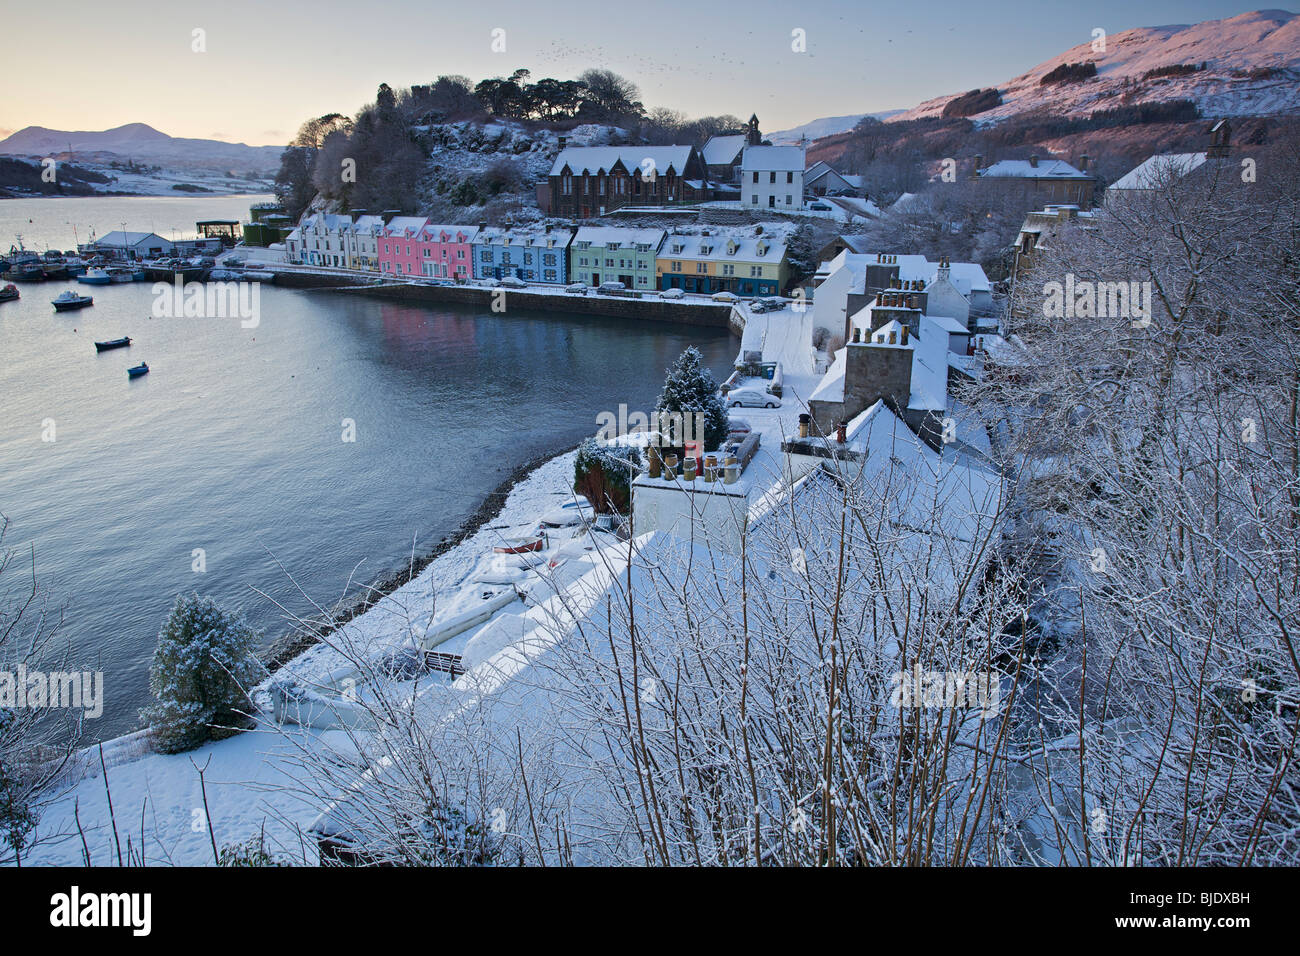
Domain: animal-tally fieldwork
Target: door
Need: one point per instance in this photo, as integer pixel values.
(595, 279)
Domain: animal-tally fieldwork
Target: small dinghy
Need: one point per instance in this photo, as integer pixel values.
(9, 293)
(67, 301)
(121, 343)
(138, 370)
(521, 545)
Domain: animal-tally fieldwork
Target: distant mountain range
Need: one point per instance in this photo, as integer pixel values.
(142, 143)
(1247, 65)
(826, 126)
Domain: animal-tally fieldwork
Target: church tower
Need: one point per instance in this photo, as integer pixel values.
(753, 137)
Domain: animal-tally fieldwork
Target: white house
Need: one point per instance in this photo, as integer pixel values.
(771, 177)
(321, 237)
(361, 243)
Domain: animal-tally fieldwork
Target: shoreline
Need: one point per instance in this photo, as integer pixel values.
(292, 644)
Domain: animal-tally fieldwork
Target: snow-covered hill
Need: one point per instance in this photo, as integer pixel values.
(142, 144)
(825, 126)
(1252, 68)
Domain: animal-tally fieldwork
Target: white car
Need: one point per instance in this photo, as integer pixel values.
(576, 287)
(752, 398)
(612, 287)
(725, 297)
(672, 293)
(512, 282)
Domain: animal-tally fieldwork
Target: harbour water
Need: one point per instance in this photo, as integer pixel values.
(234, 450)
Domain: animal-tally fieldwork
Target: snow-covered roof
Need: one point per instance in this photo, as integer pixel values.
(119, 238)
(536, 237)
(723, 150)
(607, 235)
(747, 248)
(774, 158)
(950, 325)
(435, 232)
(1024, 169)
(406, 226)
(1156, 171)
(597, 159)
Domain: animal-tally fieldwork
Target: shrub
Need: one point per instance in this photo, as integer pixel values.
(203, 662)
(603, 474)
(975, 101)
(1069, 73)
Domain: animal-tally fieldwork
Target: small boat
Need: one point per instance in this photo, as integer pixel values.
(121, 343)
(137, 370)
(521, 545)
(95, 277)
(121, 274)
(9, 293)
(67, 301)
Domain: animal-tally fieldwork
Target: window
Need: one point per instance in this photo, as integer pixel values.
(549, 260)
(702, 267)
(771, 177)
(609, 263)
(789, 177)
(550, 275)
(755, 176)
(586, 186)
(566, 184)
(788, 199)
(460, 253)
(754, 199)
(582, 260)
(677, 267)
(771, 202)
(600, 186)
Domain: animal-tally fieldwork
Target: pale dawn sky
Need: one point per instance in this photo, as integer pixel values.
(270, 65)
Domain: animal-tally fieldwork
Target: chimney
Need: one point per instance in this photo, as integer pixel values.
(893, 338)
(1033, 160)
(975, 170)
(904, 336)
(564, 141)
(1083, 163)
(857, 335)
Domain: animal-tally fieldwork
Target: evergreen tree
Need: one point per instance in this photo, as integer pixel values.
(689, 389)
(201, 668)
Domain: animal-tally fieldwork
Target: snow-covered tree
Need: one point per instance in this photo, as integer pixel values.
(691, 389)
(200, 674)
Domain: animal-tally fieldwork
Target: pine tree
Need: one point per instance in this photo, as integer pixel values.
(203, 663)
(689, 389)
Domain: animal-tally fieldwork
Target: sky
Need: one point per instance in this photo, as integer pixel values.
(265, 67)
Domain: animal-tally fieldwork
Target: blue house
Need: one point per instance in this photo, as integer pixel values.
(536, 254)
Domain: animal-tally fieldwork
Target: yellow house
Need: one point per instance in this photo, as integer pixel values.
(745, 265)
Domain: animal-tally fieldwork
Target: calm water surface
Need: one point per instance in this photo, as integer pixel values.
(233, 442)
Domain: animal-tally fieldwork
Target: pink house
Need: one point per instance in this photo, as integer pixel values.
(416, 247)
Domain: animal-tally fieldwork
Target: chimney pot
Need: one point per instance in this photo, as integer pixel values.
(904, 336)
(893, 338)
(1033, 160)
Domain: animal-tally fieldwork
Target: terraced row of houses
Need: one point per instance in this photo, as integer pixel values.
(641, 259)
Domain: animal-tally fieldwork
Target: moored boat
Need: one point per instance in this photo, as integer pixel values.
(67, 301)
(95, 276)
(121, 274)
(123, 342)
(137, 370)
(9, 293)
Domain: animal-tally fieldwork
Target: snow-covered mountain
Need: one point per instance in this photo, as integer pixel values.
(142, 144)
(1252, 68)
(826, 126)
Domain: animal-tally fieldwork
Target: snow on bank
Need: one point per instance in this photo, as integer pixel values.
(250, 777)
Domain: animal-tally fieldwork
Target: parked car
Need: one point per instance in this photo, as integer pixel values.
(672, 293)
(819, 206)
(612, 287)
(512, 282)
(737, 428)
(578, 287)
(750, 397)
(725, 297)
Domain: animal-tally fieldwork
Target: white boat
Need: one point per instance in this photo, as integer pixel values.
(95, 277)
